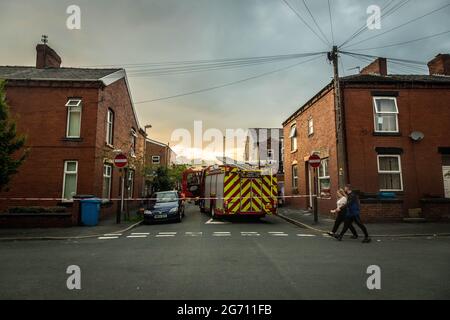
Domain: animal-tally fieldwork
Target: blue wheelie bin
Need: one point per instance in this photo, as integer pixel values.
(90, 211)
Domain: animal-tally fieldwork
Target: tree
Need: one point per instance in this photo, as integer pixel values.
(10, 143)
(162, 182)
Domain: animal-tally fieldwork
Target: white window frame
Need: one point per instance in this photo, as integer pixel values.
(107, 176)
(310, 126)
(64, 178)
(133, 136)
(73, 103)
(294, 177)
(293, 138)
(156, 157)
(110, 118)
(391, 172)
(323, 177)
(376, 113)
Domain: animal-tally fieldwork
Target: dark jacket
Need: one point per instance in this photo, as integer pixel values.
(353, 205)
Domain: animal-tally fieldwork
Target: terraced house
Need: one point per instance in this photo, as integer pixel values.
(397, 143)
(75, 121)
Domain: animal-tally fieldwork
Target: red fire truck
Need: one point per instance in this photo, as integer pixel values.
(232, 190)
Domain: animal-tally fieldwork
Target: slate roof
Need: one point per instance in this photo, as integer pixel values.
(56, 74)
(391, 78)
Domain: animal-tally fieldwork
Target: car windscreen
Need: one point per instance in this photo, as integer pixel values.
(164, 197)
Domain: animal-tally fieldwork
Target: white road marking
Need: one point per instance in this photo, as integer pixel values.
(250, 234)
(107, 238)
(172, 233)
(278, 234)
(305, 235)
(275, 232)
(164, 235)
(212, 221)
(194, 234)
(140, 233)
(137, 236)
(221, 234)
(112, 234)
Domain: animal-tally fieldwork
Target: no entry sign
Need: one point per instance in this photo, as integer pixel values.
(314, 161)
(120, 161)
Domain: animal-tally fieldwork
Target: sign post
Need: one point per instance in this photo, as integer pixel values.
(120, 162)
(314, 163)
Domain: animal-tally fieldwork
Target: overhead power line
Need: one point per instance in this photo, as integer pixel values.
(231, 83)
(400, 26)
(331, 21)
(385, 11)
(315, 22)
(304, 22)
(405, 42)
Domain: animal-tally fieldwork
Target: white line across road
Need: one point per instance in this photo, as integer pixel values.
(278, 234)
(138, 236)
(222, 234)
(249, 234)
(166, 234)
(107, 238)
(305, 235)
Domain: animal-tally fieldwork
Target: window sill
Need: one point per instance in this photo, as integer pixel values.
(109, 145)
(386, 134)
(67, 139)
(294, 151)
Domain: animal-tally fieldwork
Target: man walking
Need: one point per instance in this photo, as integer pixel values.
(353, 215)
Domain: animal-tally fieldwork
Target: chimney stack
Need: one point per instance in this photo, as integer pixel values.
(440, 65)
(379, 67)
(46, 57)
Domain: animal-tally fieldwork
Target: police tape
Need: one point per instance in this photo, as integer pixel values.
(154, 199)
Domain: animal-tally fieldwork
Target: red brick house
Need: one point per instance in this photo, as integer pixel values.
(75, 121)
(397, 140)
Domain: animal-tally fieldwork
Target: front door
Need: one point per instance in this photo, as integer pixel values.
(446, 175)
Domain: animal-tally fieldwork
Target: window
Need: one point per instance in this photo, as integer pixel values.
(70, 179)
(107, 174)
(310, 127)
(390, 173)
(130, 183)
(324, 179)
(293, 137)
(156, 159)
(73, 118)
(386, 114)
(110, 127)
(294, 176)
(133, 143)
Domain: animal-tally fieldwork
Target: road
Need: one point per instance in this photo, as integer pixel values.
(270, 259)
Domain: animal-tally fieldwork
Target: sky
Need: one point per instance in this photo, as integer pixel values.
(119, 32)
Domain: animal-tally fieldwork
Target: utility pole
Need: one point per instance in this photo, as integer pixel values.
(333, 56)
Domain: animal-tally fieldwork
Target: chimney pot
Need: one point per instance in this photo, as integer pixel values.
(46, 57)
(379, 67)
(440, 65)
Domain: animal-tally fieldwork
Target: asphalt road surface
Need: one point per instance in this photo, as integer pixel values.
(205, 259)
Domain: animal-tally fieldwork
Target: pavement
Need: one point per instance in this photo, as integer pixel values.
(105, 226)
(397, 229)
(202, 258)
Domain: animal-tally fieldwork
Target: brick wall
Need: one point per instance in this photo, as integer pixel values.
(421, 162)
(323, 140)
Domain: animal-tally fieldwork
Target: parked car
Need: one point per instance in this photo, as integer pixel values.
(164, 206)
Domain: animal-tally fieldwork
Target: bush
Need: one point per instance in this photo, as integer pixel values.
(37, 210)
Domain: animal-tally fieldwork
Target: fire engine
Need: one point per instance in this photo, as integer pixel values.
(234, 190)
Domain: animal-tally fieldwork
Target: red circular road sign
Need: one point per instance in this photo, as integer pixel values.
(120, 161)
(314, 161)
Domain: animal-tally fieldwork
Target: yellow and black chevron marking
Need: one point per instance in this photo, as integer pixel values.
(269, 192)
(232, 191)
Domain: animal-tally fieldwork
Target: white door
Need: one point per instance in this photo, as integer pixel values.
(446, 174)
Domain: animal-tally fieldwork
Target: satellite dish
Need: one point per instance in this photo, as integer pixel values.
(416, 135)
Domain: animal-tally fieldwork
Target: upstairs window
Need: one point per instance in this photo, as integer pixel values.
(133, 142)
(156, 159)
(386, 114)
(73, 118)
(110, 127)
(293, 137)
(390, 173)
(310, 127)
